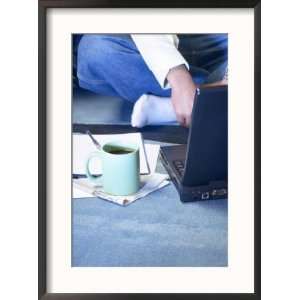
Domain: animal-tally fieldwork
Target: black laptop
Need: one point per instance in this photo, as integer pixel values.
(199, 169)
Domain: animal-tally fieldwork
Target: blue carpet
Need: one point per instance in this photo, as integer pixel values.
(156, 231)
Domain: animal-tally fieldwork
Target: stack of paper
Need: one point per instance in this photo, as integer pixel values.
(149, 183)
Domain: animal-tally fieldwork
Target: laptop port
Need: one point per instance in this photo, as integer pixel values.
(205, 196)
(219, 192)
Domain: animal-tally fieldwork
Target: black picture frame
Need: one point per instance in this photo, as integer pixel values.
(42, 110)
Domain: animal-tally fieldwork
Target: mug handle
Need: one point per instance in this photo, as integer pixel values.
(96, 179)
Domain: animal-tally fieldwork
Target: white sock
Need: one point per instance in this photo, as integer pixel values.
(150, 110)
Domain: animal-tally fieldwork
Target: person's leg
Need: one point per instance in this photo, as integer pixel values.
(219, 74)
(112, 65)
(207, 54)
(207, 57)
(151, 110)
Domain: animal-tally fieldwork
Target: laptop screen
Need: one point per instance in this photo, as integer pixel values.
(206, 159)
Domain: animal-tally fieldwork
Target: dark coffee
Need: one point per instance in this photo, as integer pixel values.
(119, 150)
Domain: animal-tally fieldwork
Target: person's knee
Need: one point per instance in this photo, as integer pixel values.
(95, 50)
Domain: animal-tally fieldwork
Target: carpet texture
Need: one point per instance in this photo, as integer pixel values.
(156, 231)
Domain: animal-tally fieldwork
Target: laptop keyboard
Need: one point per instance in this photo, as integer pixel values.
(179, 166)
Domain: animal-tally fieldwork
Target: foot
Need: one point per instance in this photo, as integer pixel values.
(140, 112)
(151, 110)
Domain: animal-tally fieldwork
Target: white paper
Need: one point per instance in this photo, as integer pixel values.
(149, 183)
(79, 193)
(152, 152)
(83, 146)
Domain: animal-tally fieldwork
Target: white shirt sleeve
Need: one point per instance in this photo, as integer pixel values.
(160, 53)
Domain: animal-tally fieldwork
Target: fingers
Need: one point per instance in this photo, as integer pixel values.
(188, 120)
(184, 120)
(180, 119)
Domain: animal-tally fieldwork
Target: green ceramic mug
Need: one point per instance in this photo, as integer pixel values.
(120, 164)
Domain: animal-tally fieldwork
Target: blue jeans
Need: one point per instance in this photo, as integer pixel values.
(112, 65)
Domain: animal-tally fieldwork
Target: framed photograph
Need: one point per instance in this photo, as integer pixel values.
(149, 149)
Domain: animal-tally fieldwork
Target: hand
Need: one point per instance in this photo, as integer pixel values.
(183, 93)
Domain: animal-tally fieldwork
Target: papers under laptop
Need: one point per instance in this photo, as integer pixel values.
(83, 146)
